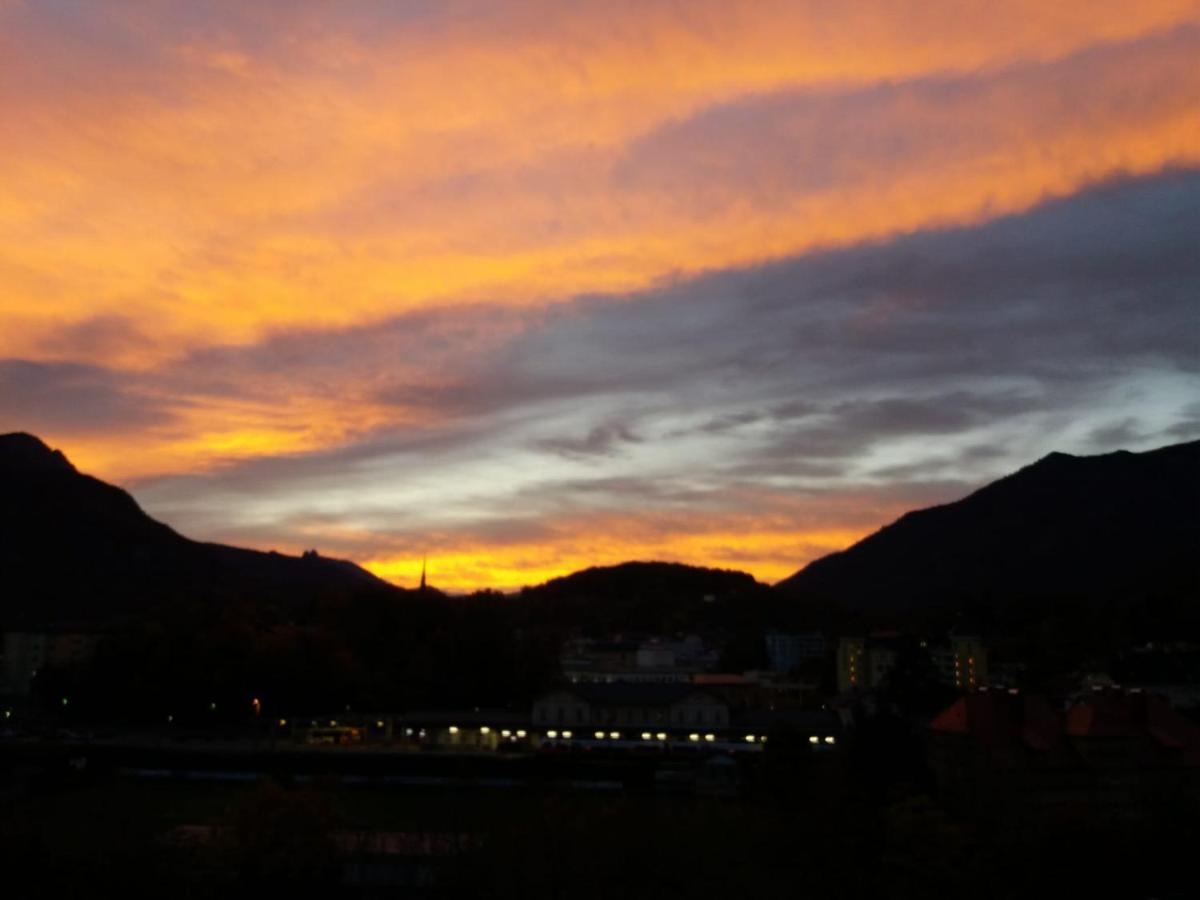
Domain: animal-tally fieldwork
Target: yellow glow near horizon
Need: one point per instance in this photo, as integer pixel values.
(768, 555)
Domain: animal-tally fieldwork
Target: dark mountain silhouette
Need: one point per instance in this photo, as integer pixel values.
(649, 597)
(1121, 528)
(75, 548)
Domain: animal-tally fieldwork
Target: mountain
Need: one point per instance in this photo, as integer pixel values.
(1120, 528)
(74, 548)
(649, 597)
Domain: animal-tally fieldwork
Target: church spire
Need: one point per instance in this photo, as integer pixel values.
(422, 573)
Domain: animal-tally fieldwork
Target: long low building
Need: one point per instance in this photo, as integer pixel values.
(619, 715)
(632, 707)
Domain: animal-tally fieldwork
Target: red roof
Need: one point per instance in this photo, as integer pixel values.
(953, 719)
(999, 719)
(1115, 714)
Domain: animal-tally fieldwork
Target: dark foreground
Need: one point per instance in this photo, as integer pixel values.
(586, 831)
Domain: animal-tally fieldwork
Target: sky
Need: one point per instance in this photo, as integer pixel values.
(528, 286)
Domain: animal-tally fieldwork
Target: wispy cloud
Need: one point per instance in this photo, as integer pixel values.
(724, 396)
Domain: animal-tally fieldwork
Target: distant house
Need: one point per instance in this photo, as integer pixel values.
(961, 661)
(863, 663)
(1116, 754)
(632, 706)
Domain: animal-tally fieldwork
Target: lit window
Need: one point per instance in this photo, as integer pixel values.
(693, 737)
(551, 734)
(662, 735)
(646, 736)
(750, 739)
(615, 735)
(505, 733)
(485, 730)
(829, 739)
(599, 735)
(566, 734)
(813, 739)
(710, 737)
(454, 729)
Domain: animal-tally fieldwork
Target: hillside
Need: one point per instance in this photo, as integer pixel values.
(1119, 528)
(650, 597)
(73, 547)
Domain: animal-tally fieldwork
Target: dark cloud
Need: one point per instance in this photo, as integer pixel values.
(770, 149)
(603, 440)
(66, 398)
(950, 355)
(1117, 434)
(100, 336)
(731, 421)
(1188, 426)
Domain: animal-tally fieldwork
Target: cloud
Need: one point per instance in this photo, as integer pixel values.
(942, 358)
(72, 400)
(220, 176)
(602, 440)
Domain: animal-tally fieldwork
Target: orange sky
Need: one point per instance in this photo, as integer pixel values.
(180, 189)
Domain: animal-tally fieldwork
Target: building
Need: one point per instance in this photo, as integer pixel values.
(648, 660)
(24, 653)
(473, 730)
(631, 707)
(961, 661)
(786, 652)
(863, 663)
(851, 664)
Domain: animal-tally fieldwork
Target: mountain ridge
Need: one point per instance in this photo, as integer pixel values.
(74, 547)
(1118, 525)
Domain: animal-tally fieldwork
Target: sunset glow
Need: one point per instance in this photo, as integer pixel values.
(528, 287)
